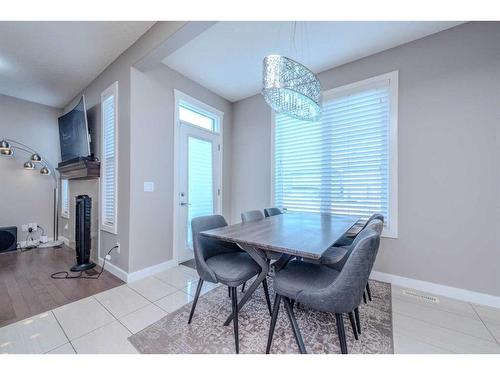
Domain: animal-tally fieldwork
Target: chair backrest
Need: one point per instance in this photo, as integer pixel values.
(253, 215)
(377, 225)
(344, 294)
(206, 247)
(376, 216)
(273, 211)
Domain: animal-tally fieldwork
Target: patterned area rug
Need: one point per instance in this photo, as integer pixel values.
(206, 333)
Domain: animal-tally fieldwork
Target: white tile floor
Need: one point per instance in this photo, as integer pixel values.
(102, 323)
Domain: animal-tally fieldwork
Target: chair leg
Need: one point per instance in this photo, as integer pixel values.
(368, 291)
(198, 290)
(364, 297)
(353, 325)
(274, 318)
(268, 300)
(243, 287)
(235, 318)
(358, 322)
(341, 333)
(295, 327)
(229, 291)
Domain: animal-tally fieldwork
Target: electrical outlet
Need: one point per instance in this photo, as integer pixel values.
(118, 248)
(25, 227)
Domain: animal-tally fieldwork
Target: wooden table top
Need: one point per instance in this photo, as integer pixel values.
(301, 234)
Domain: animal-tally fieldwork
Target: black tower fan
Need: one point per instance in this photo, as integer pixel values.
(82, 234)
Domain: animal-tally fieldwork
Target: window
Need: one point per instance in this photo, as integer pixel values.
(345, 163)
(193, 112)
(109, 162)
(65, 199)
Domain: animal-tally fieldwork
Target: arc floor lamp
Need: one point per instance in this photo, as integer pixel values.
(8, 148)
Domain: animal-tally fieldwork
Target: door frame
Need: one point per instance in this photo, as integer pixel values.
(178, 97)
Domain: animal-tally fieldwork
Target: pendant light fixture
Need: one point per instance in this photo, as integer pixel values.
(36, 158)
(291, 88)
(29, 165)
(45, 170)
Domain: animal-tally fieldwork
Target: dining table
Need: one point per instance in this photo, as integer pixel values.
(302, 235)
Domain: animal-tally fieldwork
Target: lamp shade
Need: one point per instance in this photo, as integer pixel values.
(35, 158)
(29, 165)
(45, 170)
(4, 145)
(7, 151)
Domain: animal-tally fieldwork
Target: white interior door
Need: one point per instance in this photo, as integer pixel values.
(199, 182)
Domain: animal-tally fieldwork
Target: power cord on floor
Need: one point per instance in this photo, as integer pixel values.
(81, 275)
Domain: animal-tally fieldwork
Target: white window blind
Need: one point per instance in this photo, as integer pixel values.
(109, 158)
(65, 199)
(340, 164)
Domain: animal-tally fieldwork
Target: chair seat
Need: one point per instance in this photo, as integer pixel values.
(233, 269)
(334, 255)
(299, 277)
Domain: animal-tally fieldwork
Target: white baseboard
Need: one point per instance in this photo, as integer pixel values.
(145, 272)
(137, 275)
(115, 270)
(65, 240)
(442, 290)
(23, 244)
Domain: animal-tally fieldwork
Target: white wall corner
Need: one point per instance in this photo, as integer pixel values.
(438, 289)
(65, 240)
(137, 275)
(115, 270)
(149, 271)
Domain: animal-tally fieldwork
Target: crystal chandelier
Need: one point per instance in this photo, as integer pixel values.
(291, 88)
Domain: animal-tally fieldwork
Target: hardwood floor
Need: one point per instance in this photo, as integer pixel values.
(26, 288)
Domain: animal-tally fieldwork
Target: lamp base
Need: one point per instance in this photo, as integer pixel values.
(82, 267)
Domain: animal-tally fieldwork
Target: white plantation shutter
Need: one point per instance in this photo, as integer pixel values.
(341, 163)
(64, 199)
(109, 158)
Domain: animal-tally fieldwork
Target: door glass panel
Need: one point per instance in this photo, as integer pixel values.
(200, 181)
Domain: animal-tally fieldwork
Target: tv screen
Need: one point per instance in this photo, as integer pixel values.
(74, 133)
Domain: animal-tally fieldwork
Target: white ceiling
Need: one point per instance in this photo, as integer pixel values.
(51, 62)
(227, 58)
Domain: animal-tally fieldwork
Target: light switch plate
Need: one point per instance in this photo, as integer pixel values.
(149, 186)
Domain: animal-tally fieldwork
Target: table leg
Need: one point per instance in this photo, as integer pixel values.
(260, 257)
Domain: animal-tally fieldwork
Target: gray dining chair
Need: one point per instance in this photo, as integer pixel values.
(256, 215)
(347, 240)
(336, 257)
(324, 288)
(221, 262)
(248, 216)
(272, 211)
(253, 215)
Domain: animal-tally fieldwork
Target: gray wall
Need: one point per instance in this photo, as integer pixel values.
(27, 196)
(152, 159)
(251, 142)
(449, 149)
(120, 70)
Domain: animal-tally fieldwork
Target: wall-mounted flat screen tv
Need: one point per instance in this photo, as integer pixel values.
(74, 133)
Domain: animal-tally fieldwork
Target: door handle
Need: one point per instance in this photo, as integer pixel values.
(185, 204)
